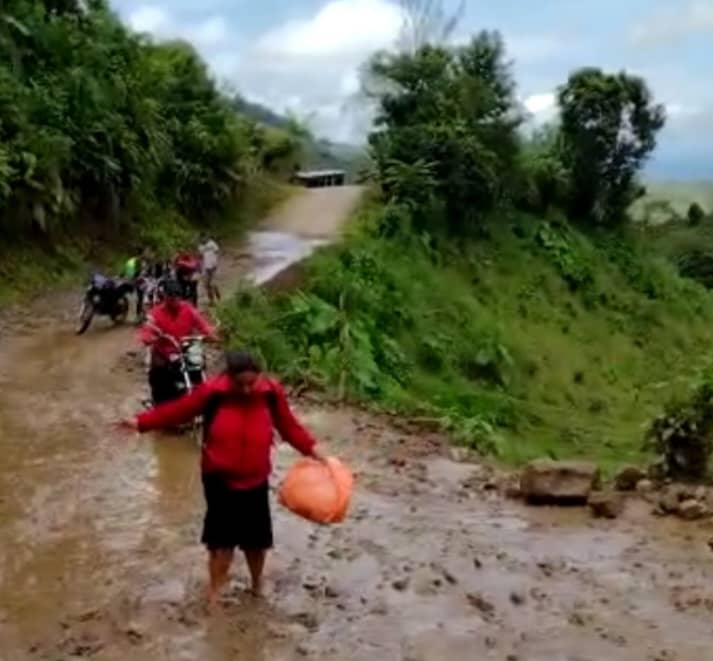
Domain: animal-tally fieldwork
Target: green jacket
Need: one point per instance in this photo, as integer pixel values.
(131, 268)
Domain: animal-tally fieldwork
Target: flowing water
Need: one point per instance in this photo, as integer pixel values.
(98, 532)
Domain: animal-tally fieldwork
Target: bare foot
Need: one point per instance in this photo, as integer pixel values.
(212, 600)
(257, 590)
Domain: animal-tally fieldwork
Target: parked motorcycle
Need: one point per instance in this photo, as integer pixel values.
(105, 297)
(151, 291)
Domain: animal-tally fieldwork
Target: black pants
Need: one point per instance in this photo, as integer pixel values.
(166, 382)
(236, 517)
(162, 380)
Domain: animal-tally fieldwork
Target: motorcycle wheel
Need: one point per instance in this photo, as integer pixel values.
(122, 311)
(86, 314)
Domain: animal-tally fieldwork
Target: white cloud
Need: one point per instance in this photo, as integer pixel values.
(149, 19)
(542, 108)
(676, 24)
(540, 103)
(207, 34)
(340, 27)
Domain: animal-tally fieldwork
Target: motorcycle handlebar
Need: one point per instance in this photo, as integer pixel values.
(176, 343)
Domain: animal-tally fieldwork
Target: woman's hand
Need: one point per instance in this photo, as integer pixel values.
(128, 426)
(318, 456)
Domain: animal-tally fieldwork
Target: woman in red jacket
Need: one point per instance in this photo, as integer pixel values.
(240, 409)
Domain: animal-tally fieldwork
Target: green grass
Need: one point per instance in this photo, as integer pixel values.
(538, 341)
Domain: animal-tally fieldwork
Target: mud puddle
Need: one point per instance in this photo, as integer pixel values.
(100, 557)
(271, 253)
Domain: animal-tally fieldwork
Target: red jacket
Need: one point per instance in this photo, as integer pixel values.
(238, 442)
(186, 322)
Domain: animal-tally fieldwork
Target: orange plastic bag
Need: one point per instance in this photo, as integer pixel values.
(319, 492)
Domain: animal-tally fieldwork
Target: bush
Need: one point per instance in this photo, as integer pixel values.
(683, 435)
(695, 214)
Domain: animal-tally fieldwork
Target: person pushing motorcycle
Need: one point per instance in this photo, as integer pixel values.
(169, 323)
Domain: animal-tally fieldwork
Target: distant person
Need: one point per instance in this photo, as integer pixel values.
(177, 319)
(209, 252)
(186, 268)
(133, 271)
(240, 409)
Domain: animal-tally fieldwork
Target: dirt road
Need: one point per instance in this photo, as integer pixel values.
(100, 560)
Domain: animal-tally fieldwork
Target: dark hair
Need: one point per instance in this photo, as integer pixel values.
(172, 289)
(238, 362)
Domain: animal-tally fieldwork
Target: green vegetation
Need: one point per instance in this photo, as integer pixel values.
(109, 140)
(537, 340)
(492, 284)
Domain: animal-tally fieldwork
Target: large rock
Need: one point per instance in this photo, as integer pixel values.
(606, 504)
(559, 482)
(692, 510)
(628, 477)
(670, 498)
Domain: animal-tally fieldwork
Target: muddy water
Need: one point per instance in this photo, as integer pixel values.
(99, 557)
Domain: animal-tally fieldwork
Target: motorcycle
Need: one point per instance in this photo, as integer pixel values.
(187, 364)
(152, 291)
(105, 297)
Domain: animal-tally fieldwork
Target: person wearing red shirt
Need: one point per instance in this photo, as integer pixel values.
(240, 409)
(167, 325)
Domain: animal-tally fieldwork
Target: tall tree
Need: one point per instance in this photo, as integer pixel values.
(446, 125)
(609, 128)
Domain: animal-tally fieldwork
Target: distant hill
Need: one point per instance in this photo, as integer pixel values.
(665, 200)
(320, 152)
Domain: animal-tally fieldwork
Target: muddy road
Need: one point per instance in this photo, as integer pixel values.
(99, 532)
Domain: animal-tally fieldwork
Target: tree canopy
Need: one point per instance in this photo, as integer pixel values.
(98, 122)
(609, 128)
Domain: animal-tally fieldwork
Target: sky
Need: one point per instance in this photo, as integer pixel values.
(304, 55)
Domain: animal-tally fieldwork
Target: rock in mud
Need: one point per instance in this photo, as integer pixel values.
(559, 482)
(628, 477)
(671, 498)
(692, 510)
(606, 504)
(481, 603)
(645, 486)
(401, 584)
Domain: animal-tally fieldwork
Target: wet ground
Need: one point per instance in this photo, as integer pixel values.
(100, 560)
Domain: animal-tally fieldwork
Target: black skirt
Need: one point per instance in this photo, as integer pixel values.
(236, 517)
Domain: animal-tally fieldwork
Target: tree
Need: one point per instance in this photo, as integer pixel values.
(696, 215)
(102, 124)
(447, 116)
(609, 128)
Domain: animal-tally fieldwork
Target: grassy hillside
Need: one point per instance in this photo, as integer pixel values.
(538, 340)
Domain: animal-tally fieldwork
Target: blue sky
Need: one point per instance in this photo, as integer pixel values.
(304, 55)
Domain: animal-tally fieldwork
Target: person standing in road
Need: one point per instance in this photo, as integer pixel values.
(209, 251)
(240, 409)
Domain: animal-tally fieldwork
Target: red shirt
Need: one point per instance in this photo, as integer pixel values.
(187, 321)
(238, 442)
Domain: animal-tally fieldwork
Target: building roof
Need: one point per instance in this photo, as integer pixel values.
(316, 174)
